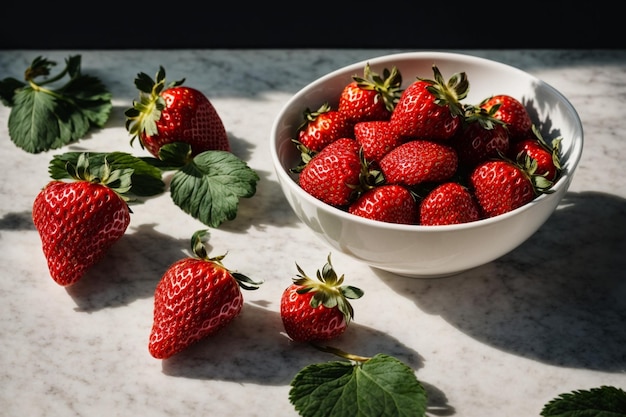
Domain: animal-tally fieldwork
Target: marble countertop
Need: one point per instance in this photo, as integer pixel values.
(500, 340)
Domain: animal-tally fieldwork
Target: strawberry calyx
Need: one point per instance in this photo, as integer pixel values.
(310, 115)
(448, 93)
(144, 114)
(118, 180)
(199, 250)
(328, 289)
(485, 117)
(389, 85)
(554, 149)
(371, 176)
(306, 155)
(528, 166)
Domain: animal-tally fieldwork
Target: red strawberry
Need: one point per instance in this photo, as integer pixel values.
(371, 97)
(79, 221)
(502, 185)
(317, 310)
(196, 297)
(333, 175)
(547, 157)
(389, 203)
(480, 138)
(172, 113)
(512, 112)
(376, 139)
(322, 127)
(419, 161)
(431, 109)
(448, 203)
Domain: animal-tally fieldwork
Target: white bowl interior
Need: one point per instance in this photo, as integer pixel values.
(429, 251)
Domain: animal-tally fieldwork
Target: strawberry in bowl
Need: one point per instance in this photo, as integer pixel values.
(473, 113)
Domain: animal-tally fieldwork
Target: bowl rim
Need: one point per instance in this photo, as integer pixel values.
(559, 186)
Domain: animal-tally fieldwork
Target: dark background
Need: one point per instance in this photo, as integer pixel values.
(228, 24)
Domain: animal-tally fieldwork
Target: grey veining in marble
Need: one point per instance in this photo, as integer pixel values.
(500, 340)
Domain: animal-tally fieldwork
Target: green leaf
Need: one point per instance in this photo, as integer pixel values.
(175, 154)
(210, 186)
(44, 118)
(145, 181)
(605, 401)
(380, 386)
(91, 99)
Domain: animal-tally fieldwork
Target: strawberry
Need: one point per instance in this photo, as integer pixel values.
(419, 161)
(448, 203)
(480, 137)
(173, 113)
(430, 109)
(376, 139)
(334, 174)
(79, 221)
(512, 112)
(195, 297)
(371, 97)
(317, 310)
(547, 157)
(503, 185)
(322, 127)
(389, 203)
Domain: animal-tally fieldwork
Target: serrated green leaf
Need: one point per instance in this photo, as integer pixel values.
(381, 386)
(30, 125)
(605, 401)
(91, 98)
(210, 186)
(45, 118)
(146, 180)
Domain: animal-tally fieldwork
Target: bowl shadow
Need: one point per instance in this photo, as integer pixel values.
(559, 298)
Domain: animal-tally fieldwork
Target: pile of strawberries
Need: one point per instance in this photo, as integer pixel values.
(420, 155)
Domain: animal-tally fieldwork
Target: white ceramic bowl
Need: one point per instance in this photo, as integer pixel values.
(429, 251)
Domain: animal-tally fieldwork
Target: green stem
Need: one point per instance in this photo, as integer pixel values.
(341, 353)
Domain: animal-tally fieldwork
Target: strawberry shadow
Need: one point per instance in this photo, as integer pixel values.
(19, 221)
(559, 298)
(130, 270)
(254, 349)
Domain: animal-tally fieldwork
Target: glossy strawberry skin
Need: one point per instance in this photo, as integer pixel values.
(376, 139)
(512, 112)
(77, 222)
(417, 116)
(332, 175)
(448, 203)
(475, 144)
(534, 149)
(324, 128)
(372, 96)
(359, 105)
(194, 299)
(500, 186)
(419, 161)
(389, 203)
(188, 117)
(304, 323)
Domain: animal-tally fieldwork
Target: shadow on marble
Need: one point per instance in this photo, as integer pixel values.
(253, 349)
(559, 298)
(17, 222)
(130, 270)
